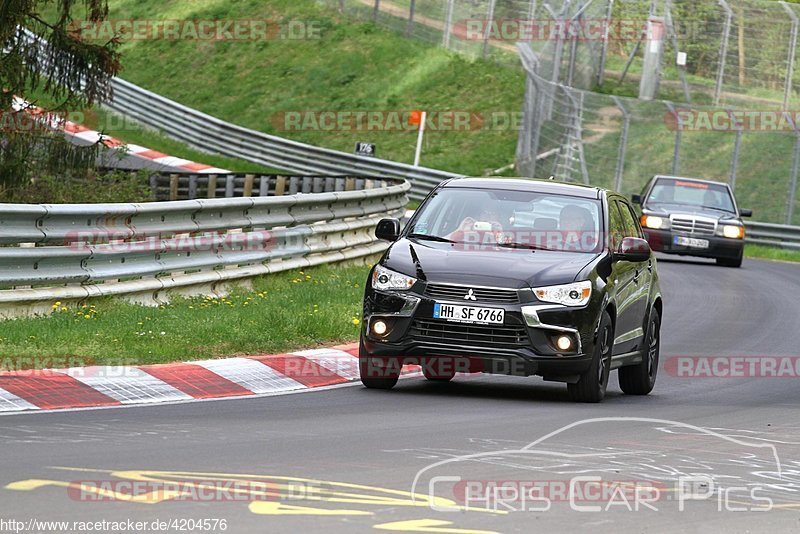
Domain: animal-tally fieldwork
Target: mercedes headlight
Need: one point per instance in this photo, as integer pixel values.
(733, 232)
(576, 294)
(652, 221)
(385, 279)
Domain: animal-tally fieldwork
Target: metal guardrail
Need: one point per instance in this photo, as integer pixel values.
(145, 251)
(774, 235)
(189, 186)
(210, 134)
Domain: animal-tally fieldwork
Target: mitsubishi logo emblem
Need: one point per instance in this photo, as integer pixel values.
(470, 295)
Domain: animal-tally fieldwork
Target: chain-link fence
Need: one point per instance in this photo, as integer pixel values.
(621, 142)
(729, 52)
(697, 63)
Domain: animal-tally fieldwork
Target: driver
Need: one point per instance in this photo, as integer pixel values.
(577, 228)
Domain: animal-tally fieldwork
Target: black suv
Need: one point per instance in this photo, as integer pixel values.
(515, 277)
(693, 217)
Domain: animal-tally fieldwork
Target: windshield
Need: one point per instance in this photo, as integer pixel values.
(695, 194)
(510, 219)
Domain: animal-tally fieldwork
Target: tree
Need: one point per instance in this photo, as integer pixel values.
(66, 70)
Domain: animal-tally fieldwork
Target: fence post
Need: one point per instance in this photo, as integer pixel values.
(787, 84)
(376, 10)
(341, 6)
(723, 52)
(489, 21)
(601, 69)
(676, 154)
(737, 146)
(531, 12)
(793, 184)
(623, 144)
(411, 9)
(448, 24)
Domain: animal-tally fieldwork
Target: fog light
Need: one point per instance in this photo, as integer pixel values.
(564, 343)
(379, 328)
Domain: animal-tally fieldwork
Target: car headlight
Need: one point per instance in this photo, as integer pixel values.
(733, 232)
(576, 294)
(651, 221)
(384, 279)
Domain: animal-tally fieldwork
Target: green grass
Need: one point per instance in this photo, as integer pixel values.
(285, 311)
(353, 67)
(771, 253)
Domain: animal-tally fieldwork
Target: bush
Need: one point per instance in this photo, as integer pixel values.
(96, 187)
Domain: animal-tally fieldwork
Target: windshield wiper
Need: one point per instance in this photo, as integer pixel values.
(715, 208)
(426, 237)
(527, 246)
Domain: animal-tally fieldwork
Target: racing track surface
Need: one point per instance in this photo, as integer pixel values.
(380, 440)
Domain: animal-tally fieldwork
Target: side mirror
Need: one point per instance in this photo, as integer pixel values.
(388, 229)
(633, 249)
(745, 213)
(636, 199)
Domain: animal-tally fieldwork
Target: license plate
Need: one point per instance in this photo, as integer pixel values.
(690, 242)
(468, 314)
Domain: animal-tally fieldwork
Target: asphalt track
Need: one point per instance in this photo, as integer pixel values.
(345, 459)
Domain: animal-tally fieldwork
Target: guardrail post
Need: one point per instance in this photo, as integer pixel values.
(192, 187)
(280, 186)
(212, 186)
(350, 184)
(230, 184)
(154, 186)
(263, 186)
(173, 187)
(248, 185)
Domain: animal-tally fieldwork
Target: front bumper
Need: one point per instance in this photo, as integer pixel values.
(524, 345)
(718, 247)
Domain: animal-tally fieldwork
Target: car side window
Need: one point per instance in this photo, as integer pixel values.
(632, 218)
(616, 228)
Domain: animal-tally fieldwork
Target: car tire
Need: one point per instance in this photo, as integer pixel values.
(731, 262)
(592, 384)
(640, 379)
(375, 376)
